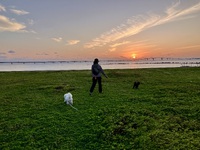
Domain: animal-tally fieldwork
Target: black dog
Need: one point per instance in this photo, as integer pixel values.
(136, 85)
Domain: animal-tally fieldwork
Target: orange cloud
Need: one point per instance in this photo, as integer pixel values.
(72, 42)
(113, 47)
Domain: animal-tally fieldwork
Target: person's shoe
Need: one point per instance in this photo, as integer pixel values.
(90, 94)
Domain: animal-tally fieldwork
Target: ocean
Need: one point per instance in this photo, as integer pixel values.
(106, 64)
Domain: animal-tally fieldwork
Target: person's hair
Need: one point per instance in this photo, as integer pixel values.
(96, 61)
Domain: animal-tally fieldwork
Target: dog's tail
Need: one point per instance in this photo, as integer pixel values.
(73, 107)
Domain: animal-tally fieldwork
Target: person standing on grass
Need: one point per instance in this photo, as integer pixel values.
(96, 76)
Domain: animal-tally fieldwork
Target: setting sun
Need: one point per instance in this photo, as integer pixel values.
(133, 56)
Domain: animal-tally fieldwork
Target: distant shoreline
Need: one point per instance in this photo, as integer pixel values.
(106, 64)
(107, 60)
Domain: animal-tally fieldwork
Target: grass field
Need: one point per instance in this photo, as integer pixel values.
(164, 113)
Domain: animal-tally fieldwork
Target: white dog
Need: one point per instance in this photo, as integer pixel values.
(69, 100)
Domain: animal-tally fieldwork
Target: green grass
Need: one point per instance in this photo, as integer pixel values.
(164, 113)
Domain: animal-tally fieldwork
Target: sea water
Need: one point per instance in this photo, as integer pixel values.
(106, 64)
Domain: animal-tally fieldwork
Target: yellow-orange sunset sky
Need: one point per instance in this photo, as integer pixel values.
(106, 29)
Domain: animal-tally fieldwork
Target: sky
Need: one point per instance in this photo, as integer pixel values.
(104, 29)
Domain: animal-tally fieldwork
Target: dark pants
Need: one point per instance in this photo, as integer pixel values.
(94, 82)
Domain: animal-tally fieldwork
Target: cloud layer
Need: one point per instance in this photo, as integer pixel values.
(19, 12)
(72, 42)
(69, 42)
(10, 25)
(7, 24)
(57, 39)
(140, 23)
(2, 8)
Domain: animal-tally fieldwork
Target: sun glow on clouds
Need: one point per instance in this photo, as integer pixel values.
(133, 56)
(113, 47)
(140, 23)
(189, 47)
(138, 49)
